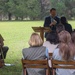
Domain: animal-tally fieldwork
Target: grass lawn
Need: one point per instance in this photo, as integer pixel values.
(16, 35)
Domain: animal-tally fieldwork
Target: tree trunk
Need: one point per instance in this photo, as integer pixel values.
(9, 16)
(16, 18)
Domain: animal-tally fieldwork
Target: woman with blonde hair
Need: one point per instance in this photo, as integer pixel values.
(35, 52)
(65, 51)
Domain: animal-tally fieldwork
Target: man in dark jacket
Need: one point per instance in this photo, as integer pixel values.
(52, 20)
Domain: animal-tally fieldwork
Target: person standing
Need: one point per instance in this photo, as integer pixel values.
(52, 20)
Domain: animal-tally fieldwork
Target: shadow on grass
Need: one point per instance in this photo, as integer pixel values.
(11, 70)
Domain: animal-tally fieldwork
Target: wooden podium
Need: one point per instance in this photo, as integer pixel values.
(41, 30)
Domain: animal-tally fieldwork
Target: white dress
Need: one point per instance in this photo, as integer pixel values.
(51, 47)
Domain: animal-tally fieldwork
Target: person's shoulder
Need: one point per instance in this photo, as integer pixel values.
(25, 49)
(57, 17)
(47, 17)
(46, 42)
(56, 50)
(42, 47)
(56, 54)
(68, 25)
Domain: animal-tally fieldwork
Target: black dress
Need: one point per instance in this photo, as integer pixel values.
(68, 27)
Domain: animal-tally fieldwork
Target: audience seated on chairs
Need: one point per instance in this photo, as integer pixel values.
(64, 52)
(3, 48)
(51, 41)
(35, 52)
(67, 26)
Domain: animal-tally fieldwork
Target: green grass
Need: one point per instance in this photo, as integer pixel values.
(16, 35)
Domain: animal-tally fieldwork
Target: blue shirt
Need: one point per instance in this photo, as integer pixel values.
(47, 54)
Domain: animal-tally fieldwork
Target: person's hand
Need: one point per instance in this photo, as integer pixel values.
(52, 24)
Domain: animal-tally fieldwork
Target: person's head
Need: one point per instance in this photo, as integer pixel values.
(66, 48)
(59, 28)
(52, 37)
(73, 37)
(53, 12)
(35, 40)
(64, 36)
(63, 20)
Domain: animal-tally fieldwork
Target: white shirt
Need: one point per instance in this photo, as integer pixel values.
(49, 46)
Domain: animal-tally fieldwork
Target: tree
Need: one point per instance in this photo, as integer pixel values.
(45, 7)
(64, 7)
(34, 9)
(4, 8)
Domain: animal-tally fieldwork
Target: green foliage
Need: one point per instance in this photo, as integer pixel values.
(60, 6)
(64, 7)
(36, 9)
(24, 8)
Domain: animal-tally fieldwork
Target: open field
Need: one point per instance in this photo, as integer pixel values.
(16, 35)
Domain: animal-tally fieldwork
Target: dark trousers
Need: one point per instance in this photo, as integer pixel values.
(4, 51)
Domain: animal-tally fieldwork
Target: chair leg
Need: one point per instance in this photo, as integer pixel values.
(24, 71)
(46, 71)
(53, 73)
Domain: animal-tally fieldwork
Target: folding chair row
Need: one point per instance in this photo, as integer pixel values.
(44, 64)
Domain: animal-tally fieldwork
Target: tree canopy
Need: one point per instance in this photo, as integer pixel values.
(36, 9)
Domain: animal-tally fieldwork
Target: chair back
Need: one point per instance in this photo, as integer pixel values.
(35, 64)
(50, 54)
(63, 64)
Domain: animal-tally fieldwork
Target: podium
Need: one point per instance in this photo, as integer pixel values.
(41, 30)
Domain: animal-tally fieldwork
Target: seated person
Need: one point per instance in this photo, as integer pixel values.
(73, 37)
(60, 27)
(51, 41)
(65, 51)
(35, 52)
(67, 26)
(3, 49)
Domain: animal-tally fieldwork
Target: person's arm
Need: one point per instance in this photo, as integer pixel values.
(23, 54)
(47, 22)
(57, 19)
(47, 54)
(70, 28)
